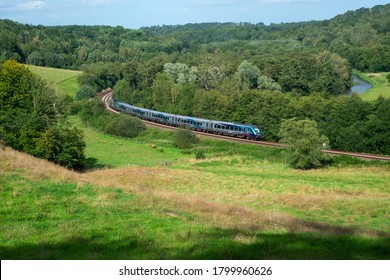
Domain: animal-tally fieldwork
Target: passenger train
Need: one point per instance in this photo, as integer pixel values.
(205, 125)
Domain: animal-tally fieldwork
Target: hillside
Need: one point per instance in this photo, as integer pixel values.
(261, 210)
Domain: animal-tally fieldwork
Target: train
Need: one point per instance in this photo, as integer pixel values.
(251, 132)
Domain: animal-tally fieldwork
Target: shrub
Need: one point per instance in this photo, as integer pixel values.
(185, 139)
(200, 155)
(85, 92)
(126, 126)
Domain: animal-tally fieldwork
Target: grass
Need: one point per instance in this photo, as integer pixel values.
(63, 81)
(48, 212)
(381, 86)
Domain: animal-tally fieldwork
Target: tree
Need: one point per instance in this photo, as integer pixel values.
(30, 118)
(247, 74)
(162, 91)
(305, 143)
(179, 72)
(15, 85)
(266, 83)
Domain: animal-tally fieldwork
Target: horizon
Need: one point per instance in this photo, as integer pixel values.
(148, 13)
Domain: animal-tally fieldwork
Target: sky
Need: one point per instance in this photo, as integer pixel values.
(141, 13)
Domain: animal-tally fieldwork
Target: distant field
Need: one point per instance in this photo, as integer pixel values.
(64, 81)
(381, 86)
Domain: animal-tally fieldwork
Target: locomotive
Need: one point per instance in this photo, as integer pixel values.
(199, 124)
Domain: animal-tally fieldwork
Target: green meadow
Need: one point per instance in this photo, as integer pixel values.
(63, 81)
(143, 198)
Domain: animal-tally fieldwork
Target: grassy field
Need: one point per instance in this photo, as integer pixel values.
(64, 81)
(265, 212)
(142, 198)
(381, 86)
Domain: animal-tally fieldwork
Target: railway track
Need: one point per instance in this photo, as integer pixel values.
(106, 95)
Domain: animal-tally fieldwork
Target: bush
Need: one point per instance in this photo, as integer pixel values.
(85, 92)
(62, 145)
(185, 139)
(126, 126)
(200, 155)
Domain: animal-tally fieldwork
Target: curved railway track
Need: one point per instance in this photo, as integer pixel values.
(106, 95)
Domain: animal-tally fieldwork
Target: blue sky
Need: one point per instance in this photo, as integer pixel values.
(139, 13)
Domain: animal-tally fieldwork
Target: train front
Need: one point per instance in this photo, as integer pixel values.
(256, 133)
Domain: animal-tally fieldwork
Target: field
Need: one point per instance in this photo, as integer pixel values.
(64, 81)
(381, 86)
(143, 199)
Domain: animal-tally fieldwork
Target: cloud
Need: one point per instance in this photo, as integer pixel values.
(98, 2)
(31, 5)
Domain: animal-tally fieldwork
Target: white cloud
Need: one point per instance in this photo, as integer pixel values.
(31, 5)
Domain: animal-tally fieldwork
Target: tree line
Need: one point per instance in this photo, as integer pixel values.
(361, 36)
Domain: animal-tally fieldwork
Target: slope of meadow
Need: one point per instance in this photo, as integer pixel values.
(48, 212)
(62, 80)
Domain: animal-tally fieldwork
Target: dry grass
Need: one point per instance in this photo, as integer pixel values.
(35, 169)
(208, 197)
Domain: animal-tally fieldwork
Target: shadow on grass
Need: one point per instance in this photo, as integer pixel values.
(211, 244)
(91, 164)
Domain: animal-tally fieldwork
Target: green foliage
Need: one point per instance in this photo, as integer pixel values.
(30, 117)
(185, 139)
(126, 126)
(305, 143)
(93, 113)
(200, 155)
(248, 75)
(62, 145)
(15, 86)
(85, 92)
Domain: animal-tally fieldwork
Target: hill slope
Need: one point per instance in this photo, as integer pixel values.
(62, 80)
(49, 212)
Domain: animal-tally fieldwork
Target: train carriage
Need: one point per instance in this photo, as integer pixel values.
(211, 126)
